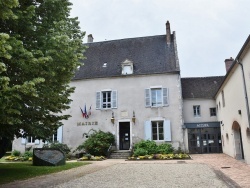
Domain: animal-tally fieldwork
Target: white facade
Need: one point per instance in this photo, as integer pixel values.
(233, 110)
(130, 91)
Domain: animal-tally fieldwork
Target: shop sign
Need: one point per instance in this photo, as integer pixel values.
(201, 125)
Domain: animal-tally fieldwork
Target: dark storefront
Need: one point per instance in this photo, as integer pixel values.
(204, 137)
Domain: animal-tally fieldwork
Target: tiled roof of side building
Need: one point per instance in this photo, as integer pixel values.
(150, 55)
(201, 87)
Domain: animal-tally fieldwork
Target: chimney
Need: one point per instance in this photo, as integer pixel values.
(168, 33)
(90, 38)
(228, 63)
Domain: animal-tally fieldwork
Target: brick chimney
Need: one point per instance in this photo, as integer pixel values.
(228, 63)
(168, 33)
(90, 38)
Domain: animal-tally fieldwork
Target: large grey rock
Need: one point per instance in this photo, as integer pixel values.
(48, 157)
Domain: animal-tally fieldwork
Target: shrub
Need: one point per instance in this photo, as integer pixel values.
(63, 147)
(16, 153)
(165, 148)
(149, 146)
(97, 143)
(140, 152)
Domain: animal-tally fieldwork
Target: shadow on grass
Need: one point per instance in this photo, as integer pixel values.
(20, 171)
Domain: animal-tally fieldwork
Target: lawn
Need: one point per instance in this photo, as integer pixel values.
(24, 170)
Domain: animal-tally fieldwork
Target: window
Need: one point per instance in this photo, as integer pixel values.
(157, 130)
(127, 67)
(155, 97)
(197, 111)
(30, 140)
(223, 98)
(106, 99)
(212, 111)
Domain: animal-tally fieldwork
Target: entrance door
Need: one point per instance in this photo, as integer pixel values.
(124, 134)
(239, 153)
(205, 140)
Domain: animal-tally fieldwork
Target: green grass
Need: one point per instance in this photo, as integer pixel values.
(10, 172)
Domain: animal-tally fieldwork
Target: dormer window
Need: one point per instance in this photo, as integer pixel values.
(127, 67)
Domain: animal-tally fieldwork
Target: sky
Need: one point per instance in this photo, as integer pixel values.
(207, 31)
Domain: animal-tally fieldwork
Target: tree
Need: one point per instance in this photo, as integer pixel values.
(40, 49)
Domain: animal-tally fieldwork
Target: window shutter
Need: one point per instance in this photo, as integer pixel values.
(147, 98)
(165, 96)
(114, 99)
(59, 134)
(23, 140)
(37, 142)
(167, 130)
(148, 130)
(98, 100)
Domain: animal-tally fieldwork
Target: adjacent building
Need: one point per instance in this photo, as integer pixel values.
(232, 101)
(201, 125)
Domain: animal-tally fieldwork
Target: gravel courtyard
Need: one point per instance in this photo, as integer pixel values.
(145, 175)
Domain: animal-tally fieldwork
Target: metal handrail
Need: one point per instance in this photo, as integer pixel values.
(109, 150)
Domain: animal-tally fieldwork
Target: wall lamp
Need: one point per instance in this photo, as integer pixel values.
(112, 118)
(133, 118)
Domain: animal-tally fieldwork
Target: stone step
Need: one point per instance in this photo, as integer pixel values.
(119, 155)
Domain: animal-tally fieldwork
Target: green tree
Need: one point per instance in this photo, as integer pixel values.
(40, 49)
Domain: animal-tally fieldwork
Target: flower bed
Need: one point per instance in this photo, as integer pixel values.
(161, 157)
(92, 158)
(15, 158)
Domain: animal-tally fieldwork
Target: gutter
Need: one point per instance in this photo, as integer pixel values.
(245, 92)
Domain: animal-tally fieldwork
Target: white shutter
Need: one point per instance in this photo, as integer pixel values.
(148, 130)
(165, 96)
(37, 142)
(59, 134)
(23, 141)
(114, 99)
(98, 100)
(147, 98)
(167, 130)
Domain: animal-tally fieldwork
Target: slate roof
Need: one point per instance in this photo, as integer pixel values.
(201, 87)
(150, 55)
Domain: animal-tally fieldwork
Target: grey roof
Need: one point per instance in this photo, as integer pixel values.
(150, 55)
(201, 87)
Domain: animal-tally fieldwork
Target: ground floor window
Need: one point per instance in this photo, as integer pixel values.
(157, 130)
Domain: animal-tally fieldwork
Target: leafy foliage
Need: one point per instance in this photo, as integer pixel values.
(40, 49)
(97, 143)
(165, 148)
(57, 145)
(16, 153)
(147, 147)
(140, 152)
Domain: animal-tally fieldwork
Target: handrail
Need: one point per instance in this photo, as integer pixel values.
(109, 150)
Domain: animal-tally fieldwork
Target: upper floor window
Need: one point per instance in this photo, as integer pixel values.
(223, 98)
(155, 97)
(196, 110)
(127, 67)
(106, 99)
(212, 111)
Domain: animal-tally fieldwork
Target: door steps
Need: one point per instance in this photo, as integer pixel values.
(120, 154)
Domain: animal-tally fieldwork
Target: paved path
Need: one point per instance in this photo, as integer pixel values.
(209, 170)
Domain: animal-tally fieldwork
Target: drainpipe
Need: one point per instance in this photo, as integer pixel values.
(245, 92)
